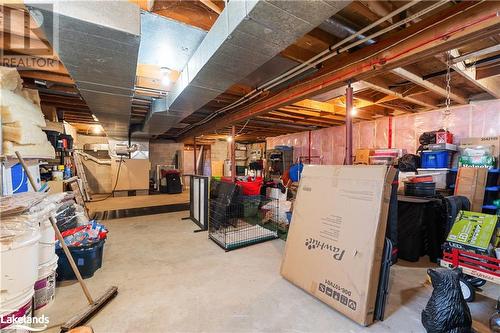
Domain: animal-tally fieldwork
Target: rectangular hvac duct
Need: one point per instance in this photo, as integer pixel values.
(98, 42)
(246, 35)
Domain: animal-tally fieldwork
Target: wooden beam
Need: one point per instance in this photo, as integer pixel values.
(487, 71)
(316, 119)
(463, 57)
(449, 28)
(380, 86)
(312, 113)
(212, 6)
(407, 75)
(491, 85)
(46, 76)
(146, 5)
(319, 106)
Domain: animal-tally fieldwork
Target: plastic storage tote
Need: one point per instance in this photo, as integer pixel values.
(88, 259)
(439, 176)
(436, 159)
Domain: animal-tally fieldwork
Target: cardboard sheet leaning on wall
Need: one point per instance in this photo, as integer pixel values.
(336, 237)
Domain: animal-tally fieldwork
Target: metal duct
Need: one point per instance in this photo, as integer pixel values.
(341, 30)
(98, 42)
(246, 35)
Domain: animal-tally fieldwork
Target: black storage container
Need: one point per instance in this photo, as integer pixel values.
(425, 189)
(174, 185)
(88, 259)
(411, 230)
(421, 228)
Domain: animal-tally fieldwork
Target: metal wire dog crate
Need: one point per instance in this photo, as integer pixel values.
(236, 220)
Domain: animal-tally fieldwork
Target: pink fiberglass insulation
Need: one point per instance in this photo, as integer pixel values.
(328, 144)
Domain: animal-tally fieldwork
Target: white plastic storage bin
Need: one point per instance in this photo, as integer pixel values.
(438, 176)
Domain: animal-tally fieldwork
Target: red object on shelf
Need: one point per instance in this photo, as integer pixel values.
(444, 137)
(421, 179)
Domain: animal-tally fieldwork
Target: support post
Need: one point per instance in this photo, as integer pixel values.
(348, 125)
(233, 153)
(194, 156)
(309, 150)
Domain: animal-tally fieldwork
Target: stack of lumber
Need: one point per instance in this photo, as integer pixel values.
(22, 118)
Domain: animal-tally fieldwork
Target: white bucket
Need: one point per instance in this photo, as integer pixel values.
(45, 286)
(47, 243)
(15, 308)
(19, 264)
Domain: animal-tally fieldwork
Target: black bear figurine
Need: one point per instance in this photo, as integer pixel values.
(446, 311)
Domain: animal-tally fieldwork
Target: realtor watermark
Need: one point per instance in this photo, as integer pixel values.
(29, 36)
(26, 323)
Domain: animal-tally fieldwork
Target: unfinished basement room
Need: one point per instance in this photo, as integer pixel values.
(240, 166)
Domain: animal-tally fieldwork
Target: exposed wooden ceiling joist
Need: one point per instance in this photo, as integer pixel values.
(491, 85)
(407, 75)
(449, 28)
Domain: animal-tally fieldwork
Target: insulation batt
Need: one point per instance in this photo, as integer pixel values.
(10, 79)
(16, 108)
(44, 149)
(32, 95)
(23, 133)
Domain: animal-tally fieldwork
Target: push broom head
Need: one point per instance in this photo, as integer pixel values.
(91, 310)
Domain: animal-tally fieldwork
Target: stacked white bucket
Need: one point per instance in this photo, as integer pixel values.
(19, 269)
(28, 264)
(45, 286)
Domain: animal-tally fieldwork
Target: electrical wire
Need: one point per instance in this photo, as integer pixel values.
(116, 182)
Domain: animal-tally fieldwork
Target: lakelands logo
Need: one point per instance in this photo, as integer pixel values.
(314, 244)
(24, 43)
(27, 323)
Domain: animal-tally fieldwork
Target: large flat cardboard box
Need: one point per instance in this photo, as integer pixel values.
(336, 238)
(134, 174)
(471, 183)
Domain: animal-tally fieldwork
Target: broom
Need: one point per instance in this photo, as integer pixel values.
(94, 305)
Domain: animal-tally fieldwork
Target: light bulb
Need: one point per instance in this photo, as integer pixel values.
(165, 80)
(354, 111)
(229, 139)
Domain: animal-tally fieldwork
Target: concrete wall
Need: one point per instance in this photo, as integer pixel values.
(162, 152)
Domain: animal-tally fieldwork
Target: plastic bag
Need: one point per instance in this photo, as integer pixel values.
(84, 235)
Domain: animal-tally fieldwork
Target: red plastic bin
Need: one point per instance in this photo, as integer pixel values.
(250, 188)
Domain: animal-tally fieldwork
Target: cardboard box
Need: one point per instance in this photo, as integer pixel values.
(493, 141)
(56, 186)
(336, 237)
(473, 231)
(363, 156)
(471, 183)
(134, 174)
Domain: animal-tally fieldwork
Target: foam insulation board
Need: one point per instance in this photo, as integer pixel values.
(43, 150)
(10, 79)
(23, 133)
(32, 95)
(54, 126)
(16, 108)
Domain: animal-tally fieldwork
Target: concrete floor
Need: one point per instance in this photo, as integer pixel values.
(173, 280)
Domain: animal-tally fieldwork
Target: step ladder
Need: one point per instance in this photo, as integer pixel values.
(81, 174)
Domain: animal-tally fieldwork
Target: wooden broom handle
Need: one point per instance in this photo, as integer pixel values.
(28, 173)
(71, 261)
(58, 235)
